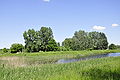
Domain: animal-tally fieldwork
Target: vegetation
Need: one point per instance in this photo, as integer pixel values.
(41, 63)
(118, 47)
(113, 46)
(16, 48)
(41, 66)
(83, 40)
(4, 50)
(42, 40)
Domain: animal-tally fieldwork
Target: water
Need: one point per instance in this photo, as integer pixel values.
(88, 57)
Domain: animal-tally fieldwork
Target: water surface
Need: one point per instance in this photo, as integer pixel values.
(88, 57)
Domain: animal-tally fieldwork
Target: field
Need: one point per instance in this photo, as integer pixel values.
(43, 66)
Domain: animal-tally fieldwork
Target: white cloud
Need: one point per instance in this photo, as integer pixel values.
(99, 28)
(46, 0)
(115, 25)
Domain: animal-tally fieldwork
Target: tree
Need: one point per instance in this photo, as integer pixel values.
(98, 40)
(112, 46)
(4, 50)
(31, 38)
(118, 46)
(52, 45)
(41, 40)
(67, 43)
(86, 40)
(16, 48)
(58, 44)
(45, 35)
(80, 40)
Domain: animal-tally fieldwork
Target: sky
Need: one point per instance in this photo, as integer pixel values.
(63, 16)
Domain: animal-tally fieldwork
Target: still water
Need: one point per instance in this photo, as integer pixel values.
(88, 57)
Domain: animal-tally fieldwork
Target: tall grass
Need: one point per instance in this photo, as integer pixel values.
(85, 52)
(52, 57)
(38, 66)
(97, 69)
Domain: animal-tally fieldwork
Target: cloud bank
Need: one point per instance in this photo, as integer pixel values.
(99, 27)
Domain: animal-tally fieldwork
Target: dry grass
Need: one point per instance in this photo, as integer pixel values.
(13, 61)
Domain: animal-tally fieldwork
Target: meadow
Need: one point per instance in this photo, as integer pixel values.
(43, 66)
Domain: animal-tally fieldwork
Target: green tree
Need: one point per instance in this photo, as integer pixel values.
(31, 38)
(39, 40)
(118, 46)
(86, 40)
(58, 44)
(67, 43)
(98, 40)
(16, 48)
(80, 41)
(4, 50)
(112, 46)
(45, 35)
(52, 45)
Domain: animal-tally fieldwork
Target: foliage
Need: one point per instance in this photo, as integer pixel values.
(58, 44)
(67, 43)
(30, 38)
(112, 46)
(4, 50)
(94, 69)
(62, 48)
(16, 48)
(86, 40)
(72, 53)
(80, 40)
(41, 40)
(98, 40)
(52, 45)
(118, 46)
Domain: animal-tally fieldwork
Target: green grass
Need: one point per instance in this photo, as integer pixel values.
(85, 52)
(51, 57)
(95, 69)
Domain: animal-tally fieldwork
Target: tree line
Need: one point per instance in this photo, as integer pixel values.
(43, 40)
(86, 40)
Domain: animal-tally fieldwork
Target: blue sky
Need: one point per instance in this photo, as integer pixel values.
(63, 16)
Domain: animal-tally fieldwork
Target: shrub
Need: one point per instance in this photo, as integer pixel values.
(112, 46)
(16, 48)
(4, 50)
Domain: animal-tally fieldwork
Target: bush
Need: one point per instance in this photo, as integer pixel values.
(62, 48)
(90, 49)
(16, 48)
(112, 46)
(4, 50)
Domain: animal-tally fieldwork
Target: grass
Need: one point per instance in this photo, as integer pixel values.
(95, 69)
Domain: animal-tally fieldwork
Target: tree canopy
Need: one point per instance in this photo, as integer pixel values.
(16, 48)
(41, 40)
(86, 40)
(112, 46)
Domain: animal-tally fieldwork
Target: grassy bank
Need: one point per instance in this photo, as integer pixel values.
(97, 69)
(51, 57)
(41, 66)
(84, 53)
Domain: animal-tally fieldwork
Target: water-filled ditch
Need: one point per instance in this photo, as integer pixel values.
(88, 57)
